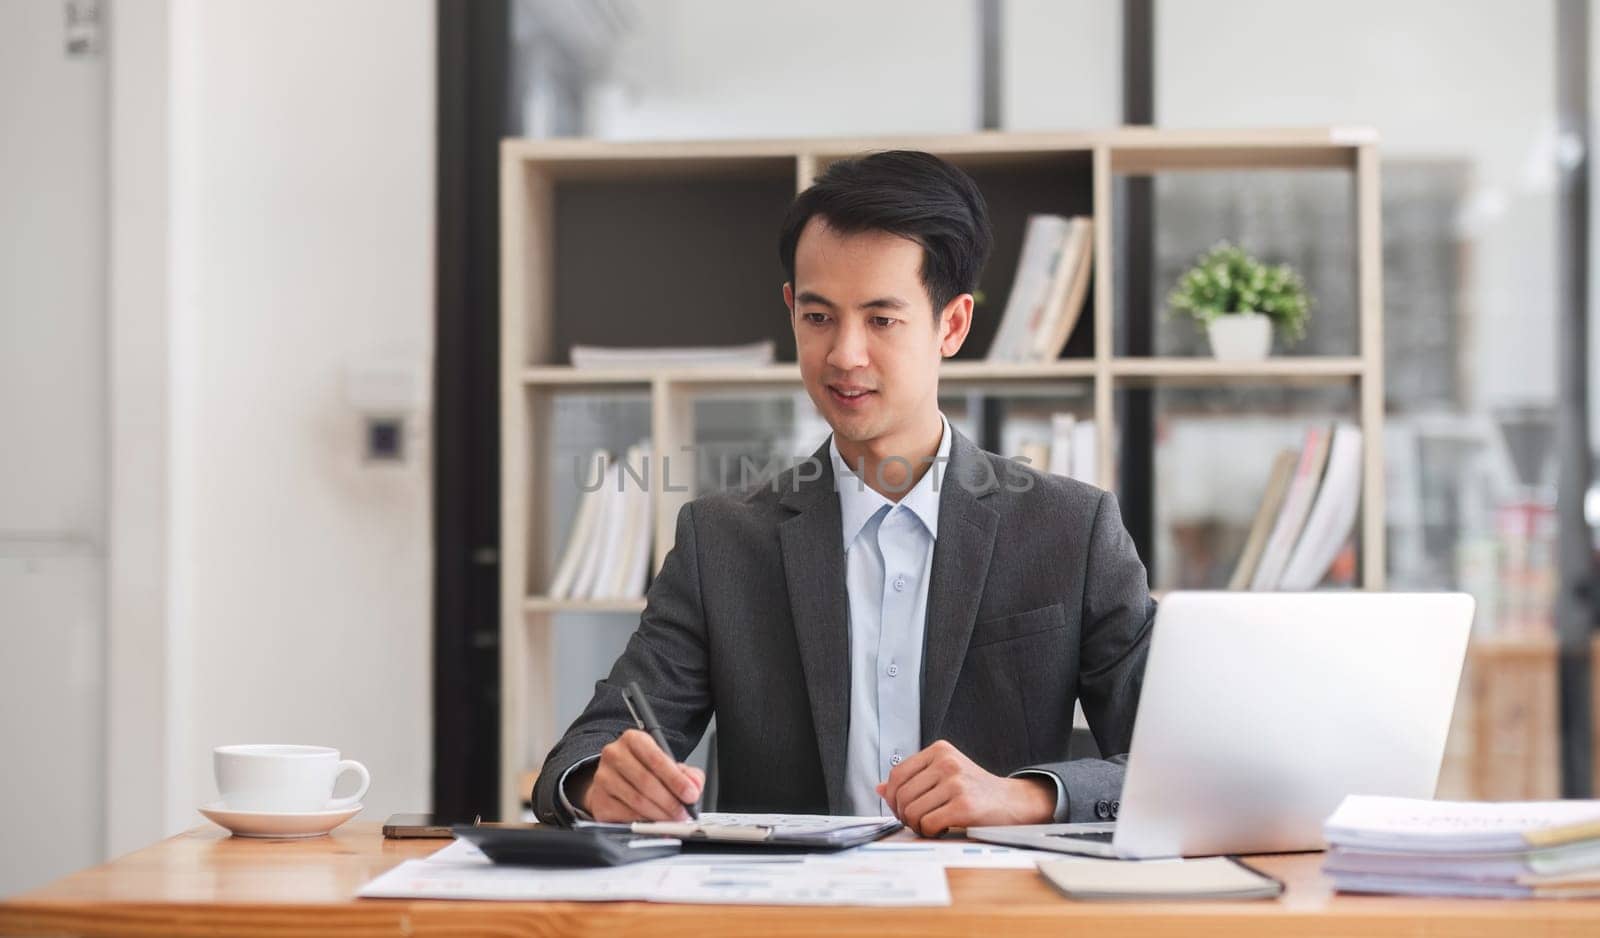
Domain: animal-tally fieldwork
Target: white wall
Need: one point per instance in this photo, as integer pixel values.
(52, 458)
(729, 68)
(723, 68)
(1438, 79)
(303, 162)
(1062, 64)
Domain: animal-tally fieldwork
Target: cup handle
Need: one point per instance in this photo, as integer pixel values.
(350, 765)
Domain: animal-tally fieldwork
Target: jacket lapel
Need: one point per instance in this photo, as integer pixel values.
(813, 563)
(961, 557)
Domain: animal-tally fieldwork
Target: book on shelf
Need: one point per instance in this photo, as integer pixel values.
(607, 555)
(607, 525)
(634, 559)
(1065, 304)
(1333, 514)
(1047, 291)
(1037, 455)
(1414, 846)
(1271, 503)
(1296, 505)
(576, 552)
(1085, 452)
(749, 355)
(1062, 427)
(1070, 450)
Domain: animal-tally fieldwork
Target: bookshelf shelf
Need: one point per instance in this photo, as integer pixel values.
(953, 372)
(1282, 370)
(705, 213)
(1285, 369)
(544, 605)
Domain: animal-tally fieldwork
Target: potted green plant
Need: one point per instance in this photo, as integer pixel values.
(1239, 300)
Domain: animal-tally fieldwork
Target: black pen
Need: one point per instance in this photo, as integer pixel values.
(646, 718)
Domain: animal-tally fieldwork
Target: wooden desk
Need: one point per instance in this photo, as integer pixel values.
(204, 883)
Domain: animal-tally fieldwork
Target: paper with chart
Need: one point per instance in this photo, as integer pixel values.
(949, 854)
(829, 881)
(461, 871)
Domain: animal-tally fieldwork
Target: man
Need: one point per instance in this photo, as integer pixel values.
(902, 623)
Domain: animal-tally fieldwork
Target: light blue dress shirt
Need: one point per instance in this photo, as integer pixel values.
(888, 549)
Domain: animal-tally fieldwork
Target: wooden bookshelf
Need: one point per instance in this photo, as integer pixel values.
(706, 213)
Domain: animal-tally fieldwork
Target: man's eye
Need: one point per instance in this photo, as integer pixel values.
(815, 318)
(884, 322)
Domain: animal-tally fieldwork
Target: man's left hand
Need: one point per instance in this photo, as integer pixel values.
(939, 788)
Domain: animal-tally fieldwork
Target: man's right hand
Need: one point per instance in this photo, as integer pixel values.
(635, 781)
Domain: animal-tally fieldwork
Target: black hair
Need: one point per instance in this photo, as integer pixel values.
(908, 193)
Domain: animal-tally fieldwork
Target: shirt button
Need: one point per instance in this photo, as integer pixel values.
(894, 670)
(900, 583)
(896, 759)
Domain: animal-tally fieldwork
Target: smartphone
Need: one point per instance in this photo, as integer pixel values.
(404, 826)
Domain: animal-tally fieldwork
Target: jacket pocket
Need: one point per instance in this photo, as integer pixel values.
(1020, 625)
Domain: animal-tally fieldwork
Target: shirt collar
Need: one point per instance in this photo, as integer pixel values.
(858, 502)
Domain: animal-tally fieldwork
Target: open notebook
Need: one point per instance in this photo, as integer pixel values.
(809, 831)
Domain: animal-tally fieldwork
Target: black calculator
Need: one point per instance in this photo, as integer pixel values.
(554, 846)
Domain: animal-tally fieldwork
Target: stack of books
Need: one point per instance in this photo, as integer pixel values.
(608, 551)
(1504, 850)
(1071, 450)
(1307, 513)
(1047, 292)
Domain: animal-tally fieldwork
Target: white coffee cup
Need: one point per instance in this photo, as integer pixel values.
(284, 778)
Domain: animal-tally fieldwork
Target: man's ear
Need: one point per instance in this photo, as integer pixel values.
(954, 324)
(789, 301)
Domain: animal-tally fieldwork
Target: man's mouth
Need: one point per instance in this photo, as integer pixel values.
(849, 395)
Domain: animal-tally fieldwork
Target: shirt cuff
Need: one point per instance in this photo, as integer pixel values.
(578, 814)
(1061, 789)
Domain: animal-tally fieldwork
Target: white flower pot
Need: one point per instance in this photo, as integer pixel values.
(1240, 337)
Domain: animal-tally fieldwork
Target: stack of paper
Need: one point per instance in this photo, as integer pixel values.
(1511, 850)
(461, 871)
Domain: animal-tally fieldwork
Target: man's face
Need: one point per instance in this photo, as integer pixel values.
(868, 341)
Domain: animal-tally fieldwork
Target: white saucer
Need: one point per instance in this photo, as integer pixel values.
(280, 825)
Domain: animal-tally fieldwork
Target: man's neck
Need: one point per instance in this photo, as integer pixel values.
(892, 465)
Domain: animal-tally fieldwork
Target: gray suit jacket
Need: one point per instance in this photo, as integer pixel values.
(1037, 598)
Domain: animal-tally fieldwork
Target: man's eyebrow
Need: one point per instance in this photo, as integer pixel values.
(882, 302)
(809, 296)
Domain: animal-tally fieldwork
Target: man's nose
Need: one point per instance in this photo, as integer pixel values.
(849, 350)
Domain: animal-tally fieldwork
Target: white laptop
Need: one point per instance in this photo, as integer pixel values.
(1260, 712)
